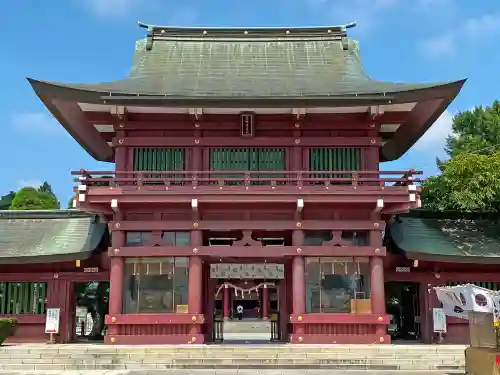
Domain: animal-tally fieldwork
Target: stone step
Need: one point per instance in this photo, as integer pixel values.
(267, 351)
(363, 357)
(241, 326)
(280, 366)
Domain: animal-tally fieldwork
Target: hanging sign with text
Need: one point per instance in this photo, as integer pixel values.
(267, 271)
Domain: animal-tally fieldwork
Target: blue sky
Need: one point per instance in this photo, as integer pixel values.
(93, 40)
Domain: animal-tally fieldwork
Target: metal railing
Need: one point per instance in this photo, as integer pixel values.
(218, 329)
(246, 178)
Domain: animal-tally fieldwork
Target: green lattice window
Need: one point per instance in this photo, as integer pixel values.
(334, 159)
(248, 159)
(160, 159)
(22, 298)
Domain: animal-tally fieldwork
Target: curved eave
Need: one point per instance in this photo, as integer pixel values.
(61, 100)
(62, 103)
(431, 103)
(482, 259)
(83, 255)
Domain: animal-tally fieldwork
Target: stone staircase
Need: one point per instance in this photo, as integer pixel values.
(356, 357)
(247, 326)
(247, 330)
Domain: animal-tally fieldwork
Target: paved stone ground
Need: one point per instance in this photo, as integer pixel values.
(233, 372)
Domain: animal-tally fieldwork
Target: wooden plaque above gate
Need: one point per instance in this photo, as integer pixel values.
(269, 271)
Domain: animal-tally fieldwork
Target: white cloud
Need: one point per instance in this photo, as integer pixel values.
(472, 30)
(440, 46)
(29, 183)
(105, 8)
(434, 140)
(36, 123)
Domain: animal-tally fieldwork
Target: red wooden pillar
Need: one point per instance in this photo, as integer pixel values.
(195, 285)
(116, 279)
(377, 293)
(298, 281)
(226, 300)
(298, 285)
(265, 303)
(195, 274)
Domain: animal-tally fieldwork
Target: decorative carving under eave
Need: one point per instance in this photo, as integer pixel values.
(247, 240)
(337, 240)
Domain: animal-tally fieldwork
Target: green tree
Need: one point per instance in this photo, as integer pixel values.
(70, 202)
(476, 131)
(29, 198)
(469, 179)
(94, 296)
(6, 200)
(468, 182)
(46, 188)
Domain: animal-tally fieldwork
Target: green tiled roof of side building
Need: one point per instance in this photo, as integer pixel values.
(448, 236)
(49, 235)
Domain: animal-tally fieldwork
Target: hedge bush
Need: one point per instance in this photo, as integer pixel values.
(7, 328)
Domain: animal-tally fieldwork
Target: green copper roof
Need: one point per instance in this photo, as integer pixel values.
(448, 239)
(227, 63)
(48, 236)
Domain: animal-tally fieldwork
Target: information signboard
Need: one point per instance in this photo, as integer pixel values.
(52, 320)
(439, 320)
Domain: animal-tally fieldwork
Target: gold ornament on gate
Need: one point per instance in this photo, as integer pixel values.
(113, 340)
(193, 339)
(380, 318)
(300, 318)
(300, 339)
(299, 224)
(113, 320)
(193, 318)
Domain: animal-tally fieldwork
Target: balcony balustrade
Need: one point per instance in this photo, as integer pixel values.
(382, 188)
(245, 180)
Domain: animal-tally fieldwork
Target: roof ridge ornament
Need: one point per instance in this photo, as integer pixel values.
(162, 32)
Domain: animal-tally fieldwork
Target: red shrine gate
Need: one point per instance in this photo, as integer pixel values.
(247, 158)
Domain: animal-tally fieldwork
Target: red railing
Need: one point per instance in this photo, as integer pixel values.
(246, 178)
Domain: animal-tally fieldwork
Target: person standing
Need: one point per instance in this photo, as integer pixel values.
(239, 312)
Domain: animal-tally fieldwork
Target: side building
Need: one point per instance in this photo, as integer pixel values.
(247, 159)
(44, 257)
(430, 249)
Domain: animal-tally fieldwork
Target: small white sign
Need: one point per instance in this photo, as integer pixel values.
(403, 269)
(439, 320)
(52, 320)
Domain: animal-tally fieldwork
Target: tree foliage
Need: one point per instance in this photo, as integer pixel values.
(29, 198)
(46, 188)
(469, 180)
(475, 131)
(6, 200)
